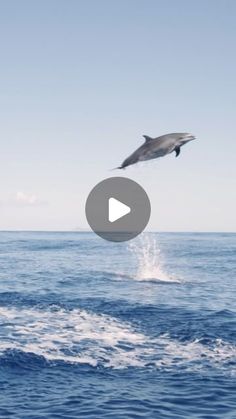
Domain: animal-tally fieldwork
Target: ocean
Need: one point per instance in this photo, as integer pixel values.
(94, 329)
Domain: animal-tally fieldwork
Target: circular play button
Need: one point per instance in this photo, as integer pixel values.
(118, 209)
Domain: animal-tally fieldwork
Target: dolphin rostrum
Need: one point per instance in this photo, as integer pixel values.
(158, 147)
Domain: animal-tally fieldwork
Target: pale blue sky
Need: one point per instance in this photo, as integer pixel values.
(81, 81)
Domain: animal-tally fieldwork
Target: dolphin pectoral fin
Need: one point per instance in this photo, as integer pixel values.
(177, 151)
(147, 138)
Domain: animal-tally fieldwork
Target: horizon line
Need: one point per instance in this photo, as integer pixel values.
(90, 231)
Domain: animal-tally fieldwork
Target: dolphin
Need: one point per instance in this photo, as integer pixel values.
(158, 147)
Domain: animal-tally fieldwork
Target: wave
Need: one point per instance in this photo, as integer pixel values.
(78, 336)
(144, 276)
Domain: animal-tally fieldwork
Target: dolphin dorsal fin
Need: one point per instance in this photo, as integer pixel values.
(147, 138)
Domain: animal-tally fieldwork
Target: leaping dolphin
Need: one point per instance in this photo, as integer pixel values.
(158, 147)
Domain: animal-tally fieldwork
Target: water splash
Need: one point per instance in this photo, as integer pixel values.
(147, 252)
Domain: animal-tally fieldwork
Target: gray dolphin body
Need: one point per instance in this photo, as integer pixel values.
(158, 147)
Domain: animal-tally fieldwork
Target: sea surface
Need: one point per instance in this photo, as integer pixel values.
(94, 329)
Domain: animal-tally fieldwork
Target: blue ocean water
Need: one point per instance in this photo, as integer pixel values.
(93, 329)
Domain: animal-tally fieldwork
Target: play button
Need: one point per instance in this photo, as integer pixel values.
(118, 209)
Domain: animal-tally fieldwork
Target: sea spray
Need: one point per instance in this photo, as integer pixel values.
(147, 252)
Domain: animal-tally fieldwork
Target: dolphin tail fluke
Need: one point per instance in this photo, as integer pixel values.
(116, 168)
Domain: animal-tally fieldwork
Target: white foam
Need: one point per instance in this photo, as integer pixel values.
(195, 354)
(78, 336)
(75, 336)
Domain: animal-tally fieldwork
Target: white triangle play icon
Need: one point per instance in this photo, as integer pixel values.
(116, 210)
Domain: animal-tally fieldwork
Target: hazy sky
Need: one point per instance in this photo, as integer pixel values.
(81, 81)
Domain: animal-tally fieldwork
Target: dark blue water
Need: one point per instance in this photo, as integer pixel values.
(93, 329)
